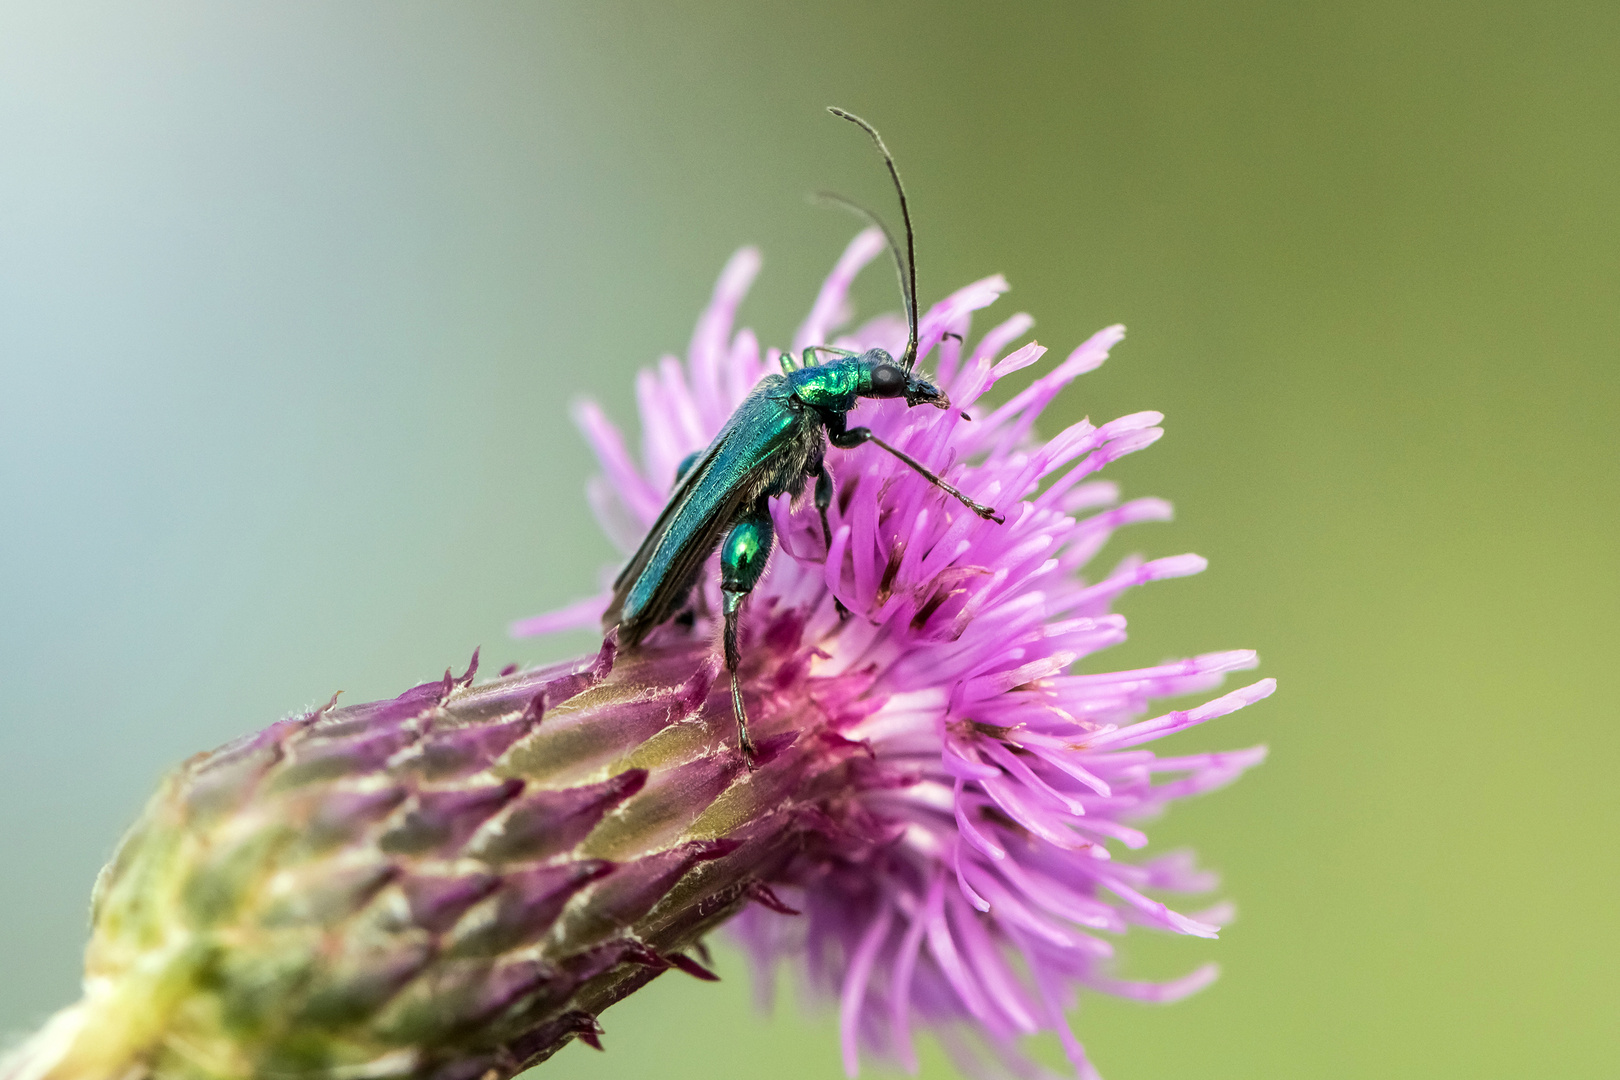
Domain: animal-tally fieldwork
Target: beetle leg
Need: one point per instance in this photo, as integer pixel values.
(824, 498)
(855, 436)
(811, 350)
(743, 556)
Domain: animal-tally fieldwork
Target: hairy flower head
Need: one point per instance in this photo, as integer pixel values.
(970, 878)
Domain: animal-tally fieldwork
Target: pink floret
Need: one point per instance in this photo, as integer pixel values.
(1001, 784)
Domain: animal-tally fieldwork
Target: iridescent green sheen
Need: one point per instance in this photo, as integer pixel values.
(835, 386)
(743, 555)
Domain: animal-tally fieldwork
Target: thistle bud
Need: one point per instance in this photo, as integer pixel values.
(449, 884)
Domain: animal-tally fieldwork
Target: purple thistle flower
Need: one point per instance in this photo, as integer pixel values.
(455, 883)
(962, 877)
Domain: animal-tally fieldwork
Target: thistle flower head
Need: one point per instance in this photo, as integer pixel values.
(971, 873)
(453, 883)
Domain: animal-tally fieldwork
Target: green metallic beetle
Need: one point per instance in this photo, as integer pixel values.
(773, 443)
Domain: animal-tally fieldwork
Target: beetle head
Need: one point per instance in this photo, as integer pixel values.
(886, 379)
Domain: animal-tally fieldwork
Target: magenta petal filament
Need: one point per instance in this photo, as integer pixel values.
(972, 873)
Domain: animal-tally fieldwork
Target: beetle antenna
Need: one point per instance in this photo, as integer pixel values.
(908, 282)
(894, 248)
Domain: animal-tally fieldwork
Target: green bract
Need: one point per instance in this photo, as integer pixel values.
(450, 884)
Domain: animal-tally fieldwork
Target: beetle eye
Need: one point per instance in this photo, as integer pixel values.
(888, 381)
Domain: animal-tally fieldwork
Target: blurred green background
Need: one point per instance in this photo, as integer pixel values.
(293, 298)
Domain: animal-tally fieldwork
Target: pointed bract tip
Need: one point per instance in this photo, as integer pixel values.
(709, 850)
(472, 669)
(691, 967)
(627, 783)
(761, 894)
(585, 1028)
(609, 652)
(766, 750)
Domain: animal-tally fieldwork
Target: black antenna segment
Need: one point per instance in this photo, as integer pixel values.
(871, 216)
(908, 273)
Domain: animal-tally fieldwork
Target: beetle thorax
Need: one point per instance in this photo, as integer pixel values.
(831, 387)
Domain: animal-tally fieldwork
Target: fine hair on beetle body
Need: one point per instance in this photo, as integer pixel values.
(773, 444)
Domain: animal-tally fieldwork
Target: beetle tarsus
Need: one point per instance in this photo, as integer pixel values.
(855, 436)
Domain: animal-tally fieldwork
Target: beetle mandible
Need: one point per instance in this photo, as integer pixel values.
(772, 444)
